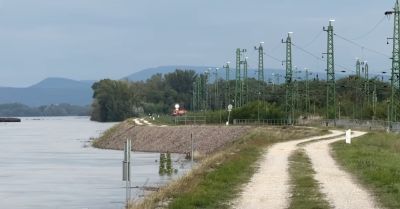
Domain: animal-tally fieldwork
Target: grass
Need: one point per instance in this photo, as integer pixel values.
(305, 190)
(218, 179)
(375, 160)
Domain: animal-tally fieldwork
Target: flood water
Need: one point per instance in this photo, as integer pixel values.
(46, 163)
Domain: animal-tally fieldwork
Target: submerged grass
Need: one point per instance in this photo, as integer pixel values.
(216, 181)
(305, 189)
(375, 159)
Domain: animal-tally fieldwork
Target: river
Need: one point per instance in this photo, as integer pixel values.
(46, 163)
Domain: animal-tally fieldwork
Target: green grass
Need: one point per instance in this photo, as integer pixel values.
(305, 189)
(375, 160)
(218, 180)
(162, 120)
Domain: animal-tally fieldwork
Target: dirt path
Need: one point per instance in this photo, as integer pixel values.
(269, 187)
(341, 190)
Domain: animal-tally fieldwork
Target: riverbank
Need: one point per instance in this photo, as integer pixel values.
(219, 177)
(174, 139)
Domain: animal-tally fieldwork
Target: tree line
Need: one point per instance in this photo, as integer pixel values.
(21, 110)
(116, 100)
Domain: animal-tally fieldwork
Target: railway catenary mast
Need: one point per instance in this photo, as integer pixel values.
(289, 97)
(330, 75)
(227, 83)
(394, 98)
(260, 71)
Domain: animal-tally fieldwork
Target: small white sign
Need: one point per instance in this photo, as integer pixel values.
(348, 136)
(230, 107)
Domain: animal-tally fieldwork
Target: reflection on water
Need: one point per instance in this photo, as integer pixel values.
(45, 164)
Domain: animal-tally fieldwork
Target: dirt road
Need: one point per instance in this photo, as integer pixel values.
(340, 188)
(270, 188)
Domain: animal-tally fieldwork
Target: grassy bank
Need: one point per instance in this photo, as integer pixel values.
(375, 160)
(217, 180)
(305, 191)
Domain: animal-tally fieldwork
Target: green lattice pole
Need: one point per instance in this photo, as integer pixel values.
(289, 99)
(395, 65)
(330, 76)
(260, 71)
(227, 87)
(238, 82)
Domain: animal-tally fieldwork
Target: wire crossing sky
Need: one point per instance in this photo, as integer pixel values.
(95, 39)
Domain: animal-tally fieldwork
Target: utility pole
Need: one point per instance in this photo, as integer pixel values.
(216, 93)
(261, 77)
(245, 84)
(366, 84)
(238, 82)
(260, 73)
(239, 87)
(307, 92)
(205, 88)
(260, 62)
(227, 87)
(374, 101)
(194, 96)
(358, 84)
(358, 68)
(330, 76)
(198, 93)
(289, 102)
(395, 64)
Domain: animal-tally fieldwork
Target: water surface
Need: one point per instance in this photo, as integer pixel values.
(45, 163)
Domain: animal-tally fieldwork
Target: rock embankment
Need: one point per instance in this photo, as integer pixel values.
(174, 139)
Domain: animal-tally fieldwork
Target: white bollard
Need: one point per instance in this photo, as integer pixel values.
(348, 136)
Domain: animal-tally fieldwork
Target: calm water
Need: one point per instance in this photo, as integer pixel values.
(44, 163)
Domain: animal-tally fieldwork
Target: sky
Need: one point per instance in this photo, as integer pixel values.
(95, 39)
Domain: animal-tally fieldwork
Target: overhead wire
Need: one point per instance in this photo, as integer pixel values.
(274, 58)
(313, 40)
(361, 46)
(317, 57)
(370, 31)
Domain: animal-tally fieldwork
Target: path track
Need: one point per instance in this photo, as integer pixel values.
(270, 187)
(340, 188)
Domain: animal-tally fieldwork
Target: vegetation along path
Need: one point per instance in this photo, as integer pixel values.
(270, 186)
(340, 188)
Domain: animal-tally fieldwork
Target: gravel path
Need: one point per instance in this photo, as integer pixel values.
(269, 187)
(341, 190)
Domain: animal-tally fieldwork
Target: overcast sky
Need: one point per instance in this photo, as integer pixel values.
(94, 39)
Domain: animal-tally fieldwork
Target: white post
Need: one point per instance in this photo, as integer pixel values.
(192, 151)
(229, 113)
(348, 136)
(126, 169)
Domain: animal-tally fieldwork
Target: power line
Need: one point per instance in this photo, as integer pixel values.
(317, 57)
(370, 31)
(361, 46)
(274, 58)
(314, 39)
(307, 52)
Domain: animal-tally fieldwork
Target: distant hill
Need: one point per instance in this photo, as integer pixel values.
(61, 83)
(62, 90)
(50, 91)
